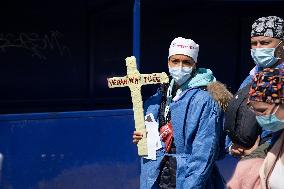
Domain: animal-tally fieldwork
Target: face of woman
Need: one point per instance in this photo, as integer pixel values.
(180, 60)
(263, 108)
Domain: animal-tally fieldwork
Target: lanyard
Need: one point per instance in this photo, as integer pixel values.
(169, 100)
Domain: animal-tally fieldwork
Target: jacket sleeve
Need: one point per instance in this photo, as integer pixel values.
(204, 116)
(229, 142)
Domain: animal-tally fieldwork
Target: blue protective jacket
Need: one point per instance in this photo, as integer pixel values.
(197, 122)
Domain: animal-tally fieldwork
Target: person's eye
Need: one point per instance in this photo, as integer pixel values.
(253, 43)
(186, 62)
(264, 42)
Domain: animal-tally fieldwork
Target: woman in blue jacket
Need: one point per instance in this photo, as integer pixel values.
(190, 117)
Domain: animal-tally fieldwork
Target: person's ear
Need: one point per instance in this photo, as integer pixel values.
(282, 44)
(194, 66)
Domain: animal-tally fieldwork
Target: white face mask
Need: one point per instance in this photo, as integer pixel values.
(180, 74)
(264, 57)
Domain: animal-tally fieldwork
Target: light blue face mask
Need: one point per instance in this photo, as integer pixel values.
(180, 74)
(264, 57)
(270, 122)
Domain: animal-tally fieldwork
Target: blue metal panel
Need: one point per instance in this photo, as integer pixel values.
(136, 32)
(69, 150)
(73, 150)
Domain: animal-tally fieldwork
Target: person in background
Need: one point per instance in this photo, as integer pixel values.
(267, 48)
(266, 100)
(267, 51)
(190, 117)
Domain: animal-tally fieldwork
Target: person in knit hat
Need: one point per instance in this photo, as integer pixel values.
(266, 101)
(189, 115)
(267, 42)
(267, 51)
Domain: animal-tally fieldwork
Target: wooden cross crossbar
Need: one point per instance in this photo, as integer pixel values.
(134, 80)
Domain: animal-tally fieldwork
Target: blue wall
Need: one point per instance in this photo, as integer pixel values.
(56, 55)
(72, 150)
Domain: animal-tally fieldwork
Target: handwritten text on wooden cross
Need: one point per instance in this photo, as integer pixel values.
(134, 80)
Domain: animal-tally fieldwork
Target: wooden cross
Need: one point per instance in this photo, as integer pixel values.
(134, 80)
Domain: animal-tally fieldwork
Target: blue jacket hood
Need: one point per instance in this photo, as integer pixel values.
(202, 77)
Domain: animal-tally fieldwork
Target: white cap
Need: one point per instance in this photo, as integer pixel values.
(184, 46)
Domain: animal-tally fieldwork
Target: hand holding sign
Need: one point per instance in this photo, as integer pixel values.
(134, 80)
